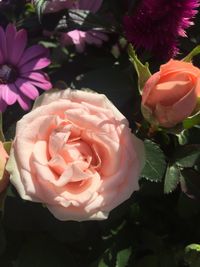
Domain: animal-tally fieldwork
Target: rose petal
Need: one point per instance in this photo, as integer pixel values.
(169, 116)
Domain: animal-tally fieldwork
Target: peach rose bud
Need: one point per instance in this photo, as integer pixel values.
(171, 94)
(4, 177)
(75, 153)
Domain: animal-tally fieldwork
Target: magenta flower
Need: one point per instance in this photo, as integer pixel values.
(155, 25)
(81, 38)
(20, 73)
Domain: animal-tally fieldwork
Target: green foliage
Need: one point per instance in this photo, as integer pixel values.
(143, 71)
(192, 120)
(189, 136)
(40, 7)
(155, 162)
(192, 255)
(193, 53)
(180, 169)
(172, 178)
(123, 257)
(187, 156)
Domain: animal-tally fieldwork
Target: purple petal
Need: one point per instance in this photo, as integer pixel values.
(3, 43)
(39, 79)
(9, 93)
(24, 101)
(36, 64)
(10, 37)
(35, 51)
(27, 88)
(95, 37)
(44, 86)
(1, 57)
(78, 39)
(37, 76)
(19, 46)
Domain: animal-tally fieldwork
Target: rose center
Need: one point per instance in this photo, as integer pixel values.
(8, 74)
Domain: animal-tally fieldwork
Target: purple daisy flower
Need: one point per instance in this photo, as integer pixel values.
(20, 73)
(155, 25)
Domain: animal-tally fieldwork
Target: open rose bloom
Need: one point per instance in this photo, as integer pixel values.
(75, 153)
(171, 94)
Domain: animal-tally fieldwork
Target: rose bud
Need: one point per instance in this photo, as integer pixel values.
(171, 94)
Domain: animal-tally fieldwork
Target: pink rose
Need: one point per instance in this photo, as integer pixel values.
(75, 153)
(4, 177)
(171, 94)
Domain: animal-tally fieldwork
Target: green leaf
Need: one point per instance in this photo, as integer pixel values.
(191, 121)
(195, 247)
(192, 255)
(192, 54)
(102, 263)
(48, 44)
(187, 156)
(142, 70)
(123, 257)
(172, 178)
(155, 162)
(189, 136)
(182, 137)
(40, 7)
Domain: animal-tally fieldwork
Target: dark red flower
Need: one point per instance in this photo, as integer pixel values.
(155, 25)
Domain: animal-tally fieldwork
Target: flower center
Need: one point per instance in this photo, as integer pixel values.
(8, 74)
